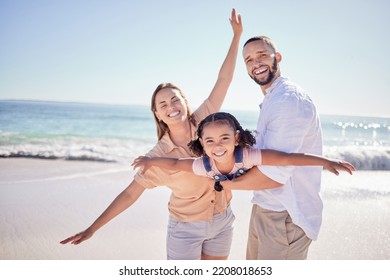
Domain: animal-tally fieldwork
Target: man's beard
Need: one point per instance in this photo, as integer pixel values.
(271, 75)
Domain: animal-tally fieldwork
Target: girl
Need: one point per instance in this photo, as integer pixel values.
(225, 152)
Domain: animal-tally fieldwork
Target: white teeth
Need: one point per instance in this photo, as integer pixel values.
(219, 154)
(261, 70)
(174, 114)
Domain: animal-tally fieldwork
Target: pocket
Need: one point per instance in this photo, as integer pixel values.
(172, 226)
(230, 214)
(293, 232)
(229, 217)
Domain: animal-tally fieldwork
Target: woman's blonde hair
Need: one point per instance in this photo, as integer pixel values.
(161, 126)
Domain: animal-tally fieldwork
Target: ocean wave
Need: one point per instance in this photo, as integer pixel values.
(103, 151)
(363, 158)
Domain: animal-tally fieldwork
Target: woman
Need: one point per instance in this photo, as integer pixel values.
(194, 206)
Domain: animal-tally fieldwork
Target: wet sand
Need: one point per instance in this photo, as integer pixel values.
(45, 201)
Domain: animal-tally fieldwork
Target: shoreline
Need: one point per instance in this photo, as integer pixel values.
(45, 201)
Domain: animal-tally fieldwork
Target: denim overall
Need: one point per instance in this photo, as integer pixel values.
(238, 158)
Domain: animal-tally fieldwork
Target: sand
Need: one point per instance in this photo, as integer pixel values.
(45, 201)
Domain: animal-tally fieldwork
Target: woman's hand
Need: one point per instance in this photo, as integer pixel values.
(78, 238)
(236, 23)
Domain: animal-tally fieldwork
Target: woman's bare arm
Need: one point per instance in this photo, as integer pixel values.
(226, 72)
(123, 201)
(145, 163)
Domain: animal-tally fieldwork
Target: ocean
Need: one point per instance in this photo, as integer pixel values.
(119, 133)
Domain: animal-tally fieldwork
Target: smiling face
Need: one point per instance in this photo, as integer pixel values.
(219, 140)
(170, 106)
(261, 62)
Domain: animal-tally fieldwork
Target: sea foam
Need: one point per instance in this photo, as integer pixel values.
(363, 158)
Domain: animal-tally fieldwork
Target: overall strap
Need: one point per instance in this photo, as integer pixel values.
(239, 161)
(217, 185)
(238, 154)
(238, 158)
(206, 163)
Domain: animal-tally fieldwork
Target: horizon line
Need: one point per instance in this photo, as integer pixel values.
(144, 105)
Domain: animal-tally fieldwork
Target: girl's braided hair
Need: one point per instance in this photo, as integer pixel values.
(246, 137)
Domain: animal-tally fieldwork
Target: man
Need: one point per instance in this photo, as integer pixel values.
(284, 220)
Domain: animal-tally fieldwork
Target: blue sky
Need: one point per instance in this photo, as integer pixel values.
(119, 51)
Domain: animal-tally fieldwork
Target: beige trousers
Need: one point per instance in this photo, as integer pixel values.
(273, 236)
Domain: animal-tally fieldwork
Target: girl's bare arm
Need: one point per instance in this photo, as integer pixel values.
(277, 158)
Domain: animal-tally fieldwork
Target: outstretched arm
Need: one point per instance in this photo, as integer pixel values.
(226, 72)
(184, 164)
(272, 157)
(254, 179)
(123, 201)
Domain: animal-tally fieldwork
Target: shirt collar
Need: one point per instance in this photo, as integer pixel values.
(275, 84)
(166, 143)
(271, 89)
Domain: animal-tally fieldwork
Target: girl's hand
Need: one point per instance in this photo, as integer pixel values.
(78, 238)
(334, 166)
(141, 162)
(236, 23)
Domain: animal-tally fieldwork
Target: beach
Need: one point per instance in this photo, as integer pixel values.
(45, 201)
